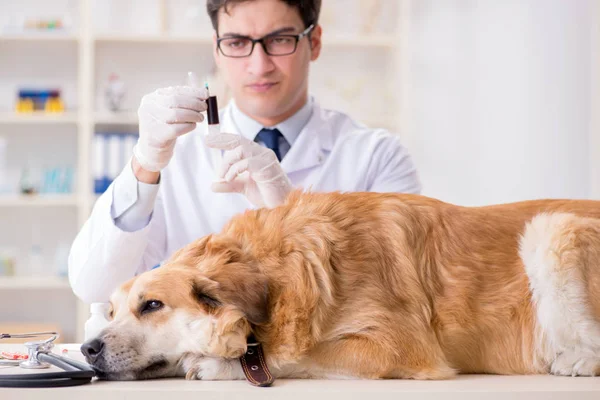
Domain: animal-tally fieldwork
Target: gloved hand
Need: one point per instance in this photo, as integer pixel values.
(251, 169)
(164, 115)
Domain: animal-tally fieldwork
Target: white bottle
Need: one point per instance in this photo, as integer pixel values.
(97, 320)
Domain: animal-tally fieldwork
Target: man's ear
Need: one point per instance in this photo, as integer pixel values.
(315, 42)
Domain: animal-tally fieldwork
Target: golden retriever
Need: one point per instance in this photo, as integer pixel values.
(369, 285)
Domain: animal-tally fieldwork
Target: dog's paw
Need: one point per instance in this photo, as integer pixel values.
(570, 364)
(213, 369)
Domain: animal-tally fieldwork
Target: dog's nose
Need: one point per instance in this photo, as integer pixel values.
(92, 349)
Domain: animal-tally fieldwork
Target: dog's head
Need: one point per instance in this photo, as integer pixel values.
(201, 303)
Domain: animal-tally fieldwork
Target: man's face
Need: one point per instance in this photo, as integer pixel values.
(267, 87)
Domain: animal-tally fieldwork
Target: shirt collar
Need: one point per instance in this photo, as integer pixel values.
(290, 128)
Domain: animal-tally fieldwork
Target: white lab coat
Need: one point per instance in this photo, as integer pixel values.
(332, 153)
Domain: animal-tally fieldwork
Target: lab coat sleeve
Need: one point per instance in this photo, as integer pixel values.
(133, 201)
(392, 168)
(103, 255)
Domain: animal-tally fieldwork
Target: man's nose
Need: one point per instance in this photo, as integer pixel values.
(92, 349)
(260, 62)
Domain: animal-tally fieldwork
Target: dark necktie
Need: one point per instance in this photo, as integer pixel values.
(270, 137)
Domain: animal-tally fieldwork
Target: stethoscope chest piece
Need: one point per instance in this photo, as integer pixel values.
(33, 349)
(40, 356)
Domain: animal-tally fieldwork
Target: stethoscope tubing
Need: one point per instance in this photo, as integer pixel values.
(49, 380)
(75, 373)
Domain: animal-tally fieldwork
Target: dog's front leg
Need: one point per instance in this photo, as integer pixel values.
(360, 357)
(215, 369)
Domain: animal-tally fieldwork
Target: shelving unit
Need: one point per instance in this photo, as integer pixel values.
(152, 39)
(121, 118)
(40, 37)
(43, 200)
(133, 57)
(29, 283)
(39, 117)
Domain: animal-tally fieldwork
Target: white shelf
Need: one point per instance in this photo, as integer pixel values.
(33, 282)
(39, 37)
(39, 200)
(38, 117)
(152, 39)
(120, 118)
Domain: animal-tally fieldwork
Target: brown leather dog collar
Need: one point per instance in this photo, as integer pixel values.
(254, 364)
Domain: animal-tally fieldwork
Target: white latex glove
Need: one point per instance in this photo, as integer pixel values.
(164, 115)
(251, 169)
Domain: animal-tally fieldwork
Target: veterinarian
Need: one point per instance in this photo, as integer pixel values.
(275, 138)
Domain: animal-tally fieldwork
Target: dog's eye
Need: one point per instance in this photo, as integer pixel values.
(151, 305)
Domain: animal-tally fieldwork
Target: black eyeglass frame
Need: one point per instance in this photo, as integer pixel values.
(261, 40)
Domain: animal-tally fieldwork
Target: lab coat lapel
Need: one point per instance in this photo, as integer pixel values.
(311, 145)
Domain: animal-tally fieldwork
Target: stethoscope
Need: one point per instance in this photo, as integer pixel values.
(74, 372)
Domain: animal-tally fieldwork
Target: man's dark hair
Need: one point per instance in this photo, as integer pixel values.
(309, 9)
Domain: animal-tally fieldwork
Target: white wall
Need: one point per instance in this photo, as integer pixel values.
(500, 96)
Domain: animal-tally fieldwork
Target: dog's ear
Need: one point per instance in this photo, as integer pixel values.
(240, 281)
(205, 292)
(191, 253)
(244, 286)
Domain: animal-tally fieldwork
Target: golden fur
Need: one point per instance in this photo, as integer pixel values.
(374, 286)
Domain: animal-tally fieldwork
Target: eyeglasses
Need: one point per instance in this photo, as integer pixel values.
(273, 45)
